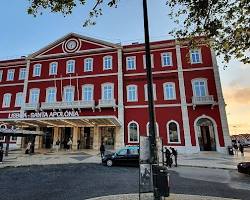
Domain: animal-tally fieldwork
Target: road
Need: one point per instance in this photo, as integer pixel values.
(82, 181)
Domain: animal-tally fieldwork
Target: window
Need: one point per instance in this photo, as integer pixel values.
(173, 132)
(146, 92)
(157, 129)
(70, 66)
(200, 87)
(37, 70)
(88, 64)
(133, 132)
(19, 99)
(6, 100)
(2, 138)
(131, 63)
(51, 95)
(132, 93)
(107, 91)
(10, 75)
(169, 91)
(69, 93)
(166, 59)
(107, 62)
(195, 56)
(13, 138)
(152, 61)
(1, 75)
(53, 68)
(34, 96)
(22, 73)
(87, 92)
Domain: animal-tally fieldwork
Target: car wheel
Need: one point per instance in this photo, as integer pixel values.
(109, 163)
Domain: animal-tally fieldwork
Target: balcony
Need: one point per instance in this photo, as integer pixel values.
(203, 100)
(31, 106)
(87, 104)
(106, 104)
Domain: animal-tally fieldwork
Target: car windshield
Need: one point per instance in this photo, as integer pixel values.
(133, 151)
(122, 152)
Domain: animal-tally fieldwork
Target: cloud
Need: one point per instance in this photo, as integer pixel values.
(242, 95)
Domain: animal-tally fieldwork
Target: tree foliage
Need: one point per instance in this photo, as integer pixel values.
(226, 22)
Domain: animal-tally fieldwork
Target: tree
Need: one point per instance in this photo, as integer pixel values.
(226, 22)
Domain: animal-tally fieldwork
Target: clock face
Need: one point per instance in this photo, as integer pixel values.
(71, 44)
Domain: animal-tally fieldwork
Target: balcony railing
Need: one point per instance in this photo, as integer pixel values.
(31, 106)
(68, 105)
(106, 103)
(204, 100)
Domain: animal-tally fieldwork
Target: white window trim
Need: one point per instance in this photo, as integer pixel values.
(178, 131)
(67, 72)
(3, 104)
(199, 79)
(68, 86)
(9, 70)
(87, 85)
(20, 70)
(38, 94)
(47, 94)
(16, 105)
(136, 93)
(112, 86)
(157, 129)
(190, 54)
(1, 75)
(34, 67)
(50, 66)
(111, 58)
(144, 61)
(164, 91)
(134, 57)
(162, 60)
(138, 132)
(85, 62)
(146, 92)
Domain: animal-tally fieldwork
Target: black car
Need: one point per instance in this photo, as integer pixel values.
(128, 156)
(244, 167)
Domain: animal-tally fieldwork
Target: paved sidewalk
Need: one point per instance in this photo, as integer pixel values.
(48, 157)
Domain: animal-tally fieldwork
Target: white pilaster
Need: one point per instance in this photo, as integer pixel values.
(56, 136)
(184, 109)
(25, 86)
(37, 139)
(19, 142)
(75, 137)
(96, 138)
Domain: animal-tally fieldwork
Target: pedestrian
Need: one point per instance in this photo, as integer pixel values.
(57, 145)
(70, 144)
(241, 148)
(1, 145)
(78, 144)
(168, 157)
(102, 150)
(27, 151)
(235, 146)
(1, 155)
(175, 153)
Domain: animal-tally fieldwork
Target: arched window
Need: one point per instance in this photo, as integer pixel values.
(133, 132)
(157, 129)
(173, 132)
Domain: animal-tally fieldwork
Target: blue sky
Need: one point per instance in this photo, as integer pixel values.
(22, 34)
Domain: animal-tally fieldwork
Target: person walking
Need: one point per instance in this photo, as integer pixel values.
(102, 150)
(57, 145)
(27, 151)
(175, 153)
(168, 157)
(241, 148)
(1, 154)
(70, 144)
(235, 146)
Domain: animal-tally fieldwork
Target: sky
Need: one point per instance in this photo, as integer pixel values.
(22, 34)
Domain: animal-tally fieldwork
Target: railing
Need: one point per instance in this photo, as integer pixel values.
(31, 106)
(67, 105)
(106, 103)
(203, 100)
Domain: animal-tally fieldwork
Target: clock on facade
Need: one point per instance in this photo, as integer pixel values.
(71, 45)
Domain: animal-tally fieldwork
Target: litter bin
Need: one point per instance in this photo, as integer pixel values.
(161, 180)
(230, 150)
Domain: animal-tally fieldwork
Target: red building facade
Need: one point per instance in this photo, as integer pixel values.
(94, 91)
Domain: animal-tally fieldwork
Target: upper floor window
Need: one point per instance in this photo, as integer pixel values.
(108, 91)
(87, 92)
(157, 129)
(169, 91)
(10, 74)
(173, 132)
(37, 70)
(70, 66)
(146, 91)
(19, 99)
(6, 100)
(69, 93)
(132, 93)
(53, 68)
(166, 59)
(131, 63)
(133, 132)
(34, 95)
(200, 87)
(1, 75)
(107, 62)
(51, 95)
(22, 73)
(152, 61)
(88, 64)
(195, 56)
